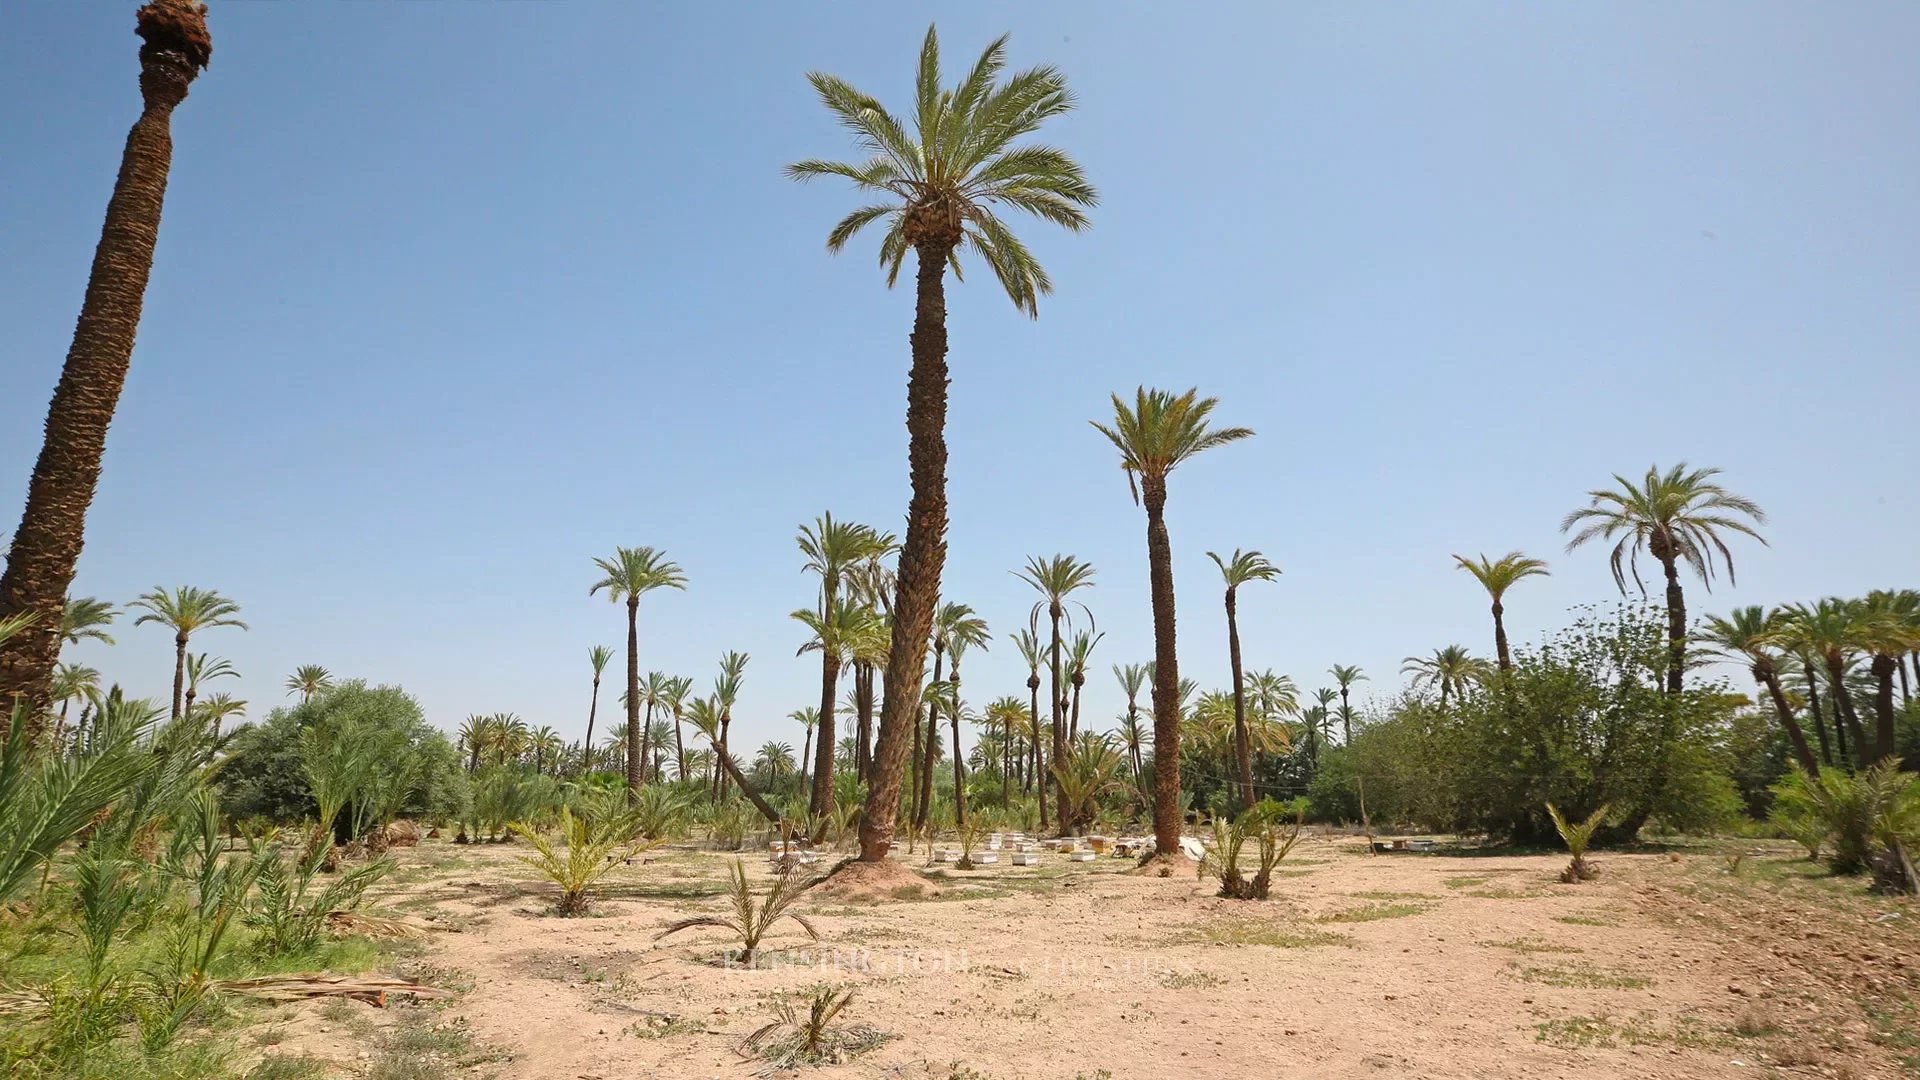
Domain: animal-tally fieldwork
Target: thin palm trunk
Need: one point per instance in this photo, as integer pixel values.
(1771, 679)
(863, 704)
(1500, 635)
(1242, 743)
(1845, 724)
(679, 745)
(923, 553)
(593, 708)
(1167, 811)
(1883, 734)
(729, 768)
(633, 699)
(646, 741)
(923, 777)
(179, 672)
(1813, 709)
(1034, 778)
(1346, 718)
(821, 801)
(46, 546)
(806, 747)
(1056, 704)
(1676, 629)
(959, 764)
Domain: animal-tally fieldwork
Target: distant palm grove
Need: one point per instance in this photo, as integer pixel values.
(1625, 711)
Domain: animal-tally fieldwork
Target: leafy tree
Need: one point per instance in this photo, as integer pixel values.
(186, 611)
(1497, 576)
(943, 189)
(1154, 436)
(175, 48)
(630, 574)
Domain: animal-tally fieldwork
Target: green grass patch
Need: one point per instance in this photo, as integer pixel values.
(1580, 976)
(1530, 946)
(1606, 1032)
(661, 1026)
(1585, 920)
(1189, 980)
(1463, 882)
(1238, 931)
(1382, 894)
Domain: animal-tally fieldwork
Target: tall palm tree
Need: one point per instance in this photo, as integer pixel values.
(1346, 676)
(72, 681)
(1319, 721)
(630, 574)
(545, 744)
(834, 550)
(653, 695)
(202, 668)
(1132, 678)
(1678, 516)
(943, 188)
(82, 619)
(1028, 642)
(834, 635)
(308, 680)
(808, 718)
(677, 693)
(1159, 432)
(726, 691)
(1241, 568)
(1272, 697)
(871, 583)
(186, 611)
(1497, 576)
(1449, 670)
(963, 631)
(598, 657)
(705, 714)
(475, 732)
(1750, 634)
(775, 760)
(45, 548)
(1056, 579)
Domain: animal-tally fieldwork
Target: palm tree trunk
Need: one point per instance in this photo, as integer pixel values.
(730, 769)
(721, 779)
(1037, 777)
(1813, 709)
(46, 546)
(806, 747)
(179, 673)
(1771, 679)
(646, 742)
(1073, 726)
(863, 703)
(679, 746)
(633, 699)
(821, 802)
(1500, 636)
(923, 554)
(1883, 734)
(1346, 718)
(593, 707)
(923, 778)
(959, 764)
(1242, 744)
(1055, 703)
(1676, 627)
(1836, 683)
(1167, 811)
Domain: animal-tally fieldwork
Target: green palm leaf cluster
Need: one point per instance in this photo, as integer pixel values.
(753, 916)
(589, 851)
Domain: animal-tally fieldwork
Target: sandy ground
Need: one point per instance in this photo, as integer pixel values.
(1411, 965)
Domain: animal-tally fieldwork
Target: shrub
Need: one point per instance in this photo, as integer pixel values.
(1576, 835)
(593, 850)
(752, 917)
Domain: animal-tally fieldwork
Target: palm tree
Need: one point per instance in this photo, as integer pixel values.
(1497, 576)
(1346, 676)
(630, 574)
(808, 718)
(187, 611)
(834, 549)
(72, 681)
(1887, 631)
(1079, 654)
(1319, 720)
(308, 680)
(1449, 670)
(475, 732)
(217, 708)
(1132, 678)
(1055, 579)
(653, 695)
(834, 634)
(201, 668)
(1242, 567)
(1677, 516)
(962, 631)
(942, 187)
(598, 656)
(1154, 437)
(775, 760)
(82, 618)
(726, 691)
(1750, 634)
(707, 717)
(45, 548)
(545, 743)
(677, 693)
(1028, 642)
(1830, 630)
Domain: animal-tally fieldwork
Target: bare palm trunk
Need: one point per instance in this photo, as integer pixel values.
(633, 699)
(1242, 742)
(646, 743)
(1167, 811)
(1500, 636)
(1073, 726)
(1771, 680)
(1346, 719)
(821, 802)
(923, 553)
(1676, 627)
(179, 673)
(923, 776)
(1883, 734)
(959, 765)
(863, 703)
(1056, 703)
(593, 708)
(1835, 683)
(46, 546)
(731, 769)
(1813, 709)
(1037, 777)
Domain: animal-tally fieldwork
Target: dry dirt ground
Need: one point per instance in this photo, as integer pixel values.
(1715, 961)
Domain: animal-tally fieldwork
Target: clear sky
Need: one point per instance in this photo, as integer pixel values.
(452, 297)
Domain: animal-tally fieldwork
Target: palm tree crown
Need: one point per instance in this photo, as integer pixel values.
(1244, 566)
(1499, 575)
(308, 680)
(187, 610)
(82, 618)
(1161, 430)
(947, 183)
(634, 572)
(1678, 515)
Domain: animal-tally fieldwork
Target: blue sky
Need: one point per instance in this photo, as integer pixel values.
(451, 298)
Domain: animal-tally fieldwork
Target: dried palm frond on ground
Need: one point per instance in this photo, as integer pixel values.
(372, 989)
(811, 1038)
